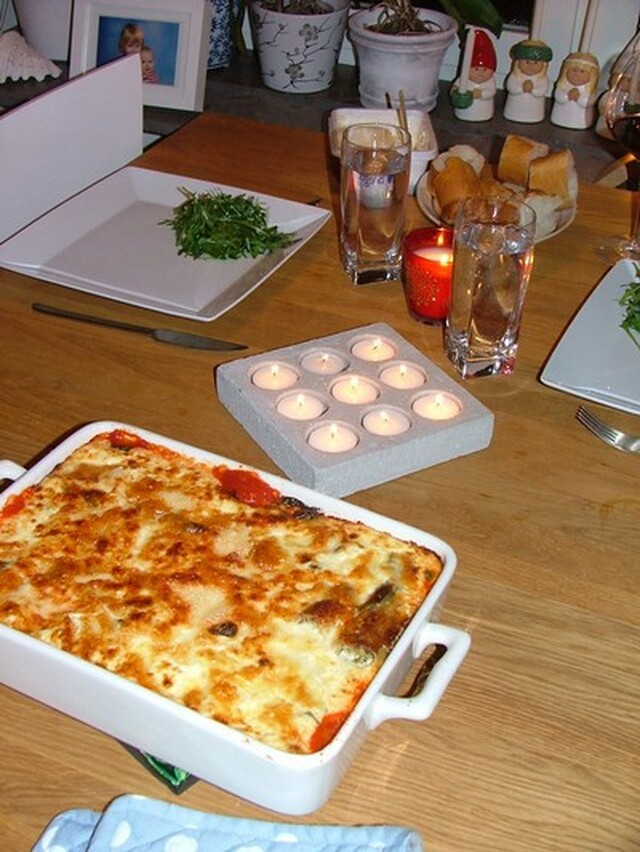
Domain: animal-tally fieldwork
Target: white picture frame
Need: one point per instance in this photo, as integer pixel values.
(175, 35)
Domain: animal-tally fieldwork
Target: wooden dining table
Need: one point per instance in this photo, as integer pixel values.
(535, 743)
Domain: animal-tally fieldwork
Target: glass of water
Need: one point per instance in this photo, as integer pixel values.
(374, 180)
(492, 262)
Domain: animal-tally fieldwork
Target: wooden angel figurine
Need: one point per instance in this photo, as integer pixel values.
(527, 83)
(576, 92)
(473, 92)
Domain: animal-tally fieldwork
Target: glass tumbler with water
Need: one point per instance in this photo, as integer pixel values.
(374, 180)
(492, 262)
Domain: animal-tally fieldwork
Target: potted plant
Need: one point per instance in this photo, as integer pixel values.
(401, 48)
(46, 26)
(298, 42)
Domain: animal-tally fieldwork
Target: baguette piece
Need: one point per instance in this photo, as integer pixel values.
(546, 210)
(516, 156)
(455, 182)
(555, 174)
(462, 152)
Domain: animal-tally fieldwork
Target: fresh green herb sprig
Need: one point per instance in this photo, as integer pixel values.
(630, 301)
(218, 225)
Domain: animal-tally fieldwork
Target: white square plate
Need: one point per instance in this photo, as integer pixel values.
(108, 240)
(595, 358)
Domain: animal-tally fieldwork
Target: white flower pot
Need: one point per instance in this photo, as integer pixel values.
(298, 53)
(46, 26)
(388, 64)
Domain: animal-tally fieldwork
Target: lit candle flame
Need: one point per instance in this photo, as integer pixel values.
(333, 431)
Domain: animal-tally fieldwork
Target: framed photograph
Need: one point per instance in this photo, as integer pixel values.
(171, 37)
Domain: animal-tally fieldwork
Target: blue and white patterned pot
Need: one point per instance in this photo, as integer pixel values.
(221, 46)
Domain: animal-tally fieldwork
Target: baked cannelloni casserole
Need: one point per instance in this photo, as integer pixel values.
(208, 586)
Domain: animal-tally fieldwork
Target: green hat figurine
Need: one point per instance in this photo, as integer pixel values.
(527, 84)
(532, 48)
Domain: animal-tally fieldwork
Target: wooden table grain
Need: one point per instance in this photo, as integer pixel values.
(535, 743)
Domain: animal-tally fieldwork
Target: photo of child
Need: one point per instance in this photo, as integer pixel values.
(131, 39)
(148, 62)
(155, 41)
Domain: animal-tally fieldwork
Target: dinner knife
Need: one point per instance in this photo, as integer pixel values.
(164, 335)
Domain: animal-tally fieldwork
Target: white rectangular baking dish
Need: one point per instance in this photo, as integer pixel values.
(283, 782)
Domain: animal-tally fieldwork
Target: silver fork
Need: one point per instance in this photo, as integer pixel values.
(613, 437)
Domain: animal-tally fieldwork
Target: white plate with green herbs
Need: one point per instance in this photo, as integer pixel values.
(113, 240)
(598, 356)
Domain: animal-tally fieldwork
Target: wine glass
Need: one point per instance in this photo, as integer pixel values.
(622, 114)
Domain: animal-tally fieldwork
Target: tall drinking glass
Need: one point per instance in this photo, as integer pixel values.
(374, 180)
(622, 113)
(492, 261)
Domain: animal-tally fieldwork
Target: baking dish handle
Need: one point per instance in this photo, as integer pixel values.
(10, 470)
(423, 703)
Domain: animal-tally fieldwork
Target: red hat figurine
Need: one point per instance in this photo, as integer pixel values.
(483, 54)
(473, 92)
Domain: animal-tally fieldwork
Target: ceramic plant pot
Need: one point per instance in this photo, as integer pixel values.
(394, 63)
(298, 53)
(46, 26)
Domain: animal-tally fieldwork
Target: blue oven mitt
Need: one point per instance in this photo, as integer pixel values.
(138, 824)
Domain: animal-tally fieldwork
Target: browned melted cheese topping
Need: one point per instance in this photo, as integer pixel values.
(207, 586)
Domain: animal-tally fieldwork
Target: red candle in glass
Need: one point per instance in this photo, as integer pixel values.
(427, 265)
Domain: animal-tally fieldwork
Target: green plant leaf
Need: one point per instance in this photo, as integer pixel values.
(479, 13)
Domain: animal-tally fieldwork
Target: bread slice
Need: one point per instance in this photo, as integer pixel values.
(546, 210)
(463, 152)
(516, 156)
(456, 181)
(555, 174)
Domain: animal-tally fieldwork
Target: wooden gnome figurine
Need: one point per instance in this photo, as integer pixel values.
(527, 83)
(473, 92)
(576, 92)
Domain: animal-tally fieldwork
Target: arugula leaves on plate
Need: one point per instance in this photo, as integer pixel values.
(630, 301)
(219, 225)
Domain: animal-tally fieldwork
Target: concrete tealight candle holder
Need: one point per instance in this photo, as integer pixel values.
(352, 410)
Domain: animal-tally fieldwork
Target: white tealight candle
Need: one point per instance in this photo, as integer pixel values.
(300, 406)
(323, 363)
(354, 390)
(437, 406)
(402, 376)
(274, 377)
(386, 421)
(443, 256)
(374, 349)
(333, 438)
